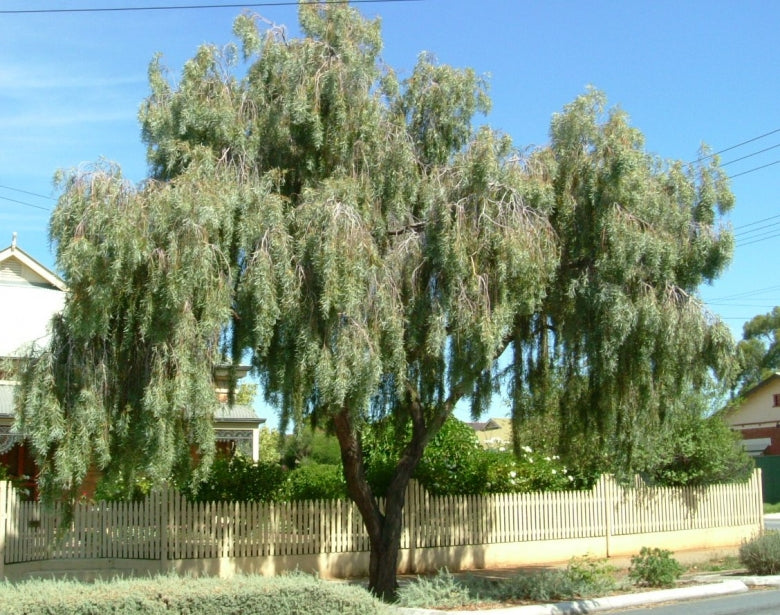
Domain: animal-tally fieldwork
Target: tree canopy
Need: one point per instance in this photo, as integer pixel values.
(374, 253)
(759, 349)
(621, 331)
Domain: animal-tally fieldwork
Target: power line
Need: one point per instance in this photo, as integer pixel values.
(115, 9)
(747, 234)
(5, 198)
(43, 196)
(761, 151)
(728, 149)
(741, 226)
(763, 166)
(748, 293)
(756, 240)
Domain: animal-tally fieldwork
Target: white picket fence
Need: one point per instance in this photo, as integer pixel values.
(167, 528)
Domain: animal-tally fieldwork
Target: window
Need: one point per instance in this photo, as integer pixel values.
(776, 400)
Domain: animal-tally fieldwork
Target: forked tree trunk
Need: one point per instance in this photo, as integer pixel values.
(384, 529)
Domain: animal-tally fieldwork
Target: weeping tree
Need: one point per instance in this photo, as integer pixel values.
(350, 231)
(621, 333)
(353, 234)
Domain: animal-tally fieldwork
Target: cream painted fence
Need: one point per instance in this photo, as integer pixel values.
(166, 532)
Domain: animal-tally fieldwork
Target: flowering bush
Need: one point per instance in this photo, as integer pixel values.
(529, 472)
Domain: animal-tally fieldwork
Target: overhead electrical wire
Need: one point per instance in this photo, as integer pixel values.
(5, 198)
(763, 166)
(188, 7)
(761, 151)
(731, 147)
(43, 196)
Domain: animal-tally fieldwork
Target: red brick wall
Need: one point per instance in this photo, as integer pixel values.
(765, 432)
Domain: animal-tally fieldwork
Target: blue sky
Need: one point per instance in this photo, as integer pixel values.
(687, 73)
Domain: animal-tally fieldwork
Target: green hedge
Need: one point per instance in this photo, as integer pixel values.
(245, 595)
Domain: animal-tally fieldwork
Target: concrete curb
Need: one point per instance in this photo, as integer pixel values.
(581, 607)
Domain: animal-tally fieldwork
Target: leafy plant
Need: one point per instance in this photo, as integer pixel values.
(287, 594)
(654, 568)
(693, 450)
(316, 481)
(761, 554)
(597, 575)
(238, 479)
(441, 591)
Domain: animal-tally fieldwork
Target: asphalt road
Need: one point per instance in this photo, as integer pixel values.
(754, 602)
(772, 522)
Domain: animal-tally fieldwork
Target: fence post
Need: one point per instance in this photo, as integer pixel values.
(3, 523)
(164, 520)
(606, 484)
(759, 496)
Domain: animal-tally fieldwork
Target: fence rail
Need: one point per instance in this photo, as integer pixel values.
(166, 526)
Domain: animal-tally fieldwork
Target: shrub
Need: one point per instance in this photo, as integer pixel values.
(761, 554)
(316, 481)
(593, 576)
(441, 591)
(453, 462)
(283, 595)
(239, 479)
(530, 471)
(654, 568)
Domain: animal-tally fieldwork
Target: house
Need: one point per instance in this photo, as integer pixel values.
(30, 294)
(494, 433)
(757, 417)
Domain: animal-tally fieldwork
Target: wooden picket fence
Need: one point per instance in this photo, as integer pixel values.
(167, 527)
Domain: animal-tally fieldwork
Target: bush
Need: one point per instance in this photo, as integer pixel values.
(453, 462)
(761, 554)
(239, 479)
(654, 568)
(316, 481)
(584, 577)
(593, 576)
(441, 591)
(283, 595)
(694, 450)
(531, 471)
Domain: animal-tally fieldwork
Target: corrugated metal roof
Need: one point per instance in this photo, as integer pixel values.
(236, 414)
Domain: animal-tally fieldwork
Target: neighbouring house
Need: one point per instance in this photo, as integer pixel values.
(30, 295)
(757, 417)
(494, 433)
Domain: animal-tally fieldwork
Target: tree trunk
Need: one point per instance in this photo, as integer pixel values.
(384, 529)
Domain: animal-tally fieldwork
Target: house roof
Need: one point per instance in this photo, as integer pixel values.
(236, 414)
(18, 267)
(30, 295)
(735, 405)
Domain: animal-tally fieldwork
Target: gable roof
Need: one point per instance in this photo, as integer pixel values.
(18, 267)
(735, 405)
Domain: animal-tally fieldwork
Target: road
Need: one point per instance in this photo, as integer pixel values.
(772, 522)
(754, 602)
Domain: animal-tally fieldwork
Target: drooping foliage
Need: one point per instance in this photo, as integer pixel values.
(759, 349)
(374, 254)
(622, 331)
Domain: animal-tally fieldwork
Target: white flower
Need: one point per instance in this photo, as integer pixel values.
(554, 471)
(502, 448)
(571, 478)
(512, 474)
(547, 459)
(528, 449)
